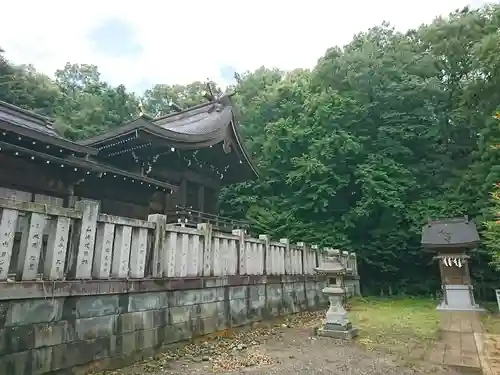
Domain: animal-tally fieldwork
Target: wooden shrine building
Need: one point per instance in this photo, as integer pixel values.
(173, 165)
(451, 239)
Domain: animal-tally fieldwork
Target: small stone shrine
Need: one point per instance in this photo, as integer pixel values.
(337, 324)
(451, 239)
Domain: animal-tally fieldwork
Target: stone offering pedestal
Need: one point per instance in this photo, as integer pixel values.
(337, 325)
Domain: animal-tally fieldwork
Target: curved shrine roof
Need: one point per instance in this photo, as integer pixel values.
(450, 233)
(198, 127)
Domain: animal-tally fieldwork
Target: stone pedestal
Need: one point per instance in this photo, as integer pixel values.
(458, 298)
(337, 324)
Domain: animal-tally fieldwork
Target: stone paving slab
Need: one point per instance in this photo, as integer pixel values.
(457, 347)
(460, 322)
(489, 352)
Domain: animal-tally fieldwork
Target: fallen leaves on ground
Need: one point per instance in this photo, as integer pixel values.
(305, 319)
(227, 351)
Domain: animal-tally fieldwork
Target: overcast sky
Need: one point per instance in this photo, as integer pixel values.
(139, 43)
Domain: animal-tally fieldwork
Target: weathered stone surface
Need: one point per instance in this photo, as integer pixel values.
(88, 307)
(147, 339)
(257, 306)
(17, 363)
(3, 342)
(238, 292)
(339, 334)
(178, 332)
(50, 334)
(210, 325)
(4, 307)
(80, 352)
(58, 335)
(208, 310)
(186, 297)
(20, 338)
(180, 314)
(41, 360)
(72, 288)
(34, 311)
(239, 312)
(126, 342)
(212, 295)
(147, 301)
(274, 299)
(92, 328)
(142, 320)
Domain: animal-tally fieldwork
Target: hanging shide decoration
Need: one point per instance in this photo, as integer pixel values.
(450, 262)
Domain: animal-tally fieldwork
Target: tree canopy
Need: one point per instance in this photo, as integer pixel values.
(359, 152)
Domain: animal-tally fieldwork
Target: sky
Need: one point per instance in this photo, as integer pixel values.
(140, 43)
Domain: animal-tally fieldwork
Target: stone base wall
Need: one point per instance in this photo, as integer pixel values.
(352, 287)
(72, 327)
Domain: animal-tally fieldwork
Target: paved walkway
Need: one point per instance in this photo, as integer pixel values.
(465, 347)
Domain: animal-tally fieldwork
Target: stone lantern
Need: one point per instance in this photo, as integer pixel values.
(337, 324)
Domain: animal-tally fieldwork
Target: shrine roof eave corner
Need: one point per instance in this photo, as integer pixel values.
(462, 245)
(244, 150)
(29, 124)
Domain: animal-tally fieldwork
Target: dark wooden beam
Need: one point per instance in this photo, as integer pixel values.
(201, 198)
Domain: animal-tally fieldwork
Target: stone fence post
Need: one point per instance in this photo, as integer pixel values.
(205, 230)
(288, 260)
(241, 255)
(159, 254)
(83, 240)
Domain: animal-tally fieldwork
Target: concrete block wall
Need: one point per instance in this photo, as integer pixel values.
(72, 327)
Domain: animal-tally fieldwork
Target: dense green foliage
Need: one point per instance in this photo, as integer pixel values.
(383, 134)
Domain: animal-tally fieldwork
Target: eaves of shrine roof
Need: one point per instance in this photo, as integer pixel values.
(198, 127)
(32, 125)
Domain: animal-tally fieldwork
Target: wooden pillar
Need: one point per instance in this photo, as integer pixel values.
(201, 198)
(183, 193)
(443, 280)
(468, 278)
(217, 202)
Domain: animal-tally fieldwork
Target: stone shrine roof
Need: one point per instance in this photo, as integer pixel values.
(450, 233)
(331, 264)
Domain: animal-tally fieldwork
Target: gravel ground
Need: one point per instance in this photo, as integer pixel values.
(287, 348)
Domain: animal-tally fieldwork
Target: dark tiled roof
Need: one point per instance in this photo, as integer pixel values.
(200, 125)
(193, 128)
(454, 232)
(32, 125)
(27, 119)
(201, 120)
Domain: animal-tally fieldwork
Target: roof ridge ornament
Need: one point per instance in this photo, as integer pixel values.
(176, 107)
(142, 112)
(209, 95)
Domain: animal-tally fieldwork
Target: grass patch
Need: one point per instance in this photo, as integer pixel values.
(491, 320)
(404, 327)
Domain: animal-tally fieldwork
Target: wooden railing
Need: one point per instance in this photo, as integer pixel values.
(39, 241)
(186, 216)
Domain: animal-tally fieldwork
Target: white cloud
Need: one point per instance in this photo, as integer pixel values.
(191, 39)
